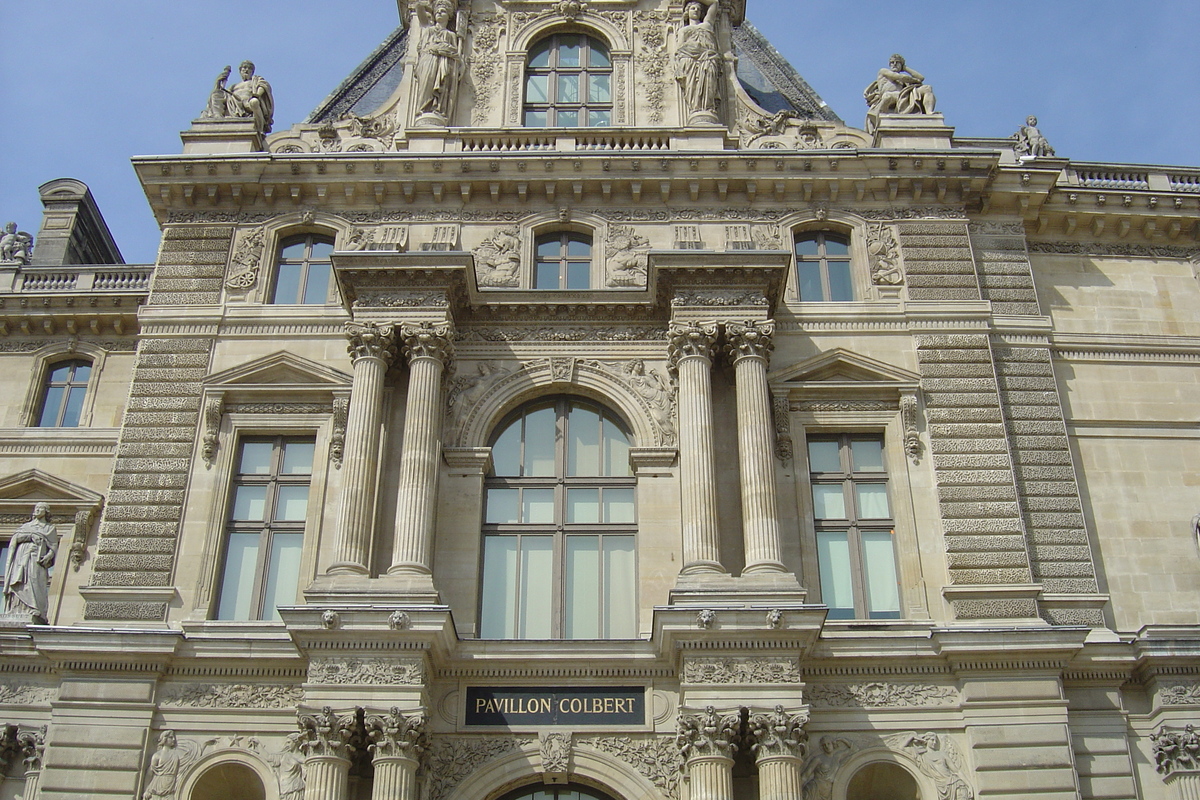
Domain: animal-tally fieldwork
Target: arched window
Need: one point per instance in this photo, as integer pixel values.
(570, 791)
(823, 267)
(229, 781)
(303, 274)
(559, 549)
(63, 393)
(882, 781)
(564, 261)
(568, 83)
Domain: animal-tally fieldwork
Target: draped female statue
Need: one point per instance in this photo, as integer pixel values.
(698, 61)
(439, 61)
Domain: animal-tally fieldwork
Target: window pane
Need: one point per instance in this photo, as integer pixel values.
(61, 374)
(506, 452)
(597, 55)
(872, 500)
(287, 283)
(498, 595)
(293, 251)
(540, 55)
(810, 281)
(823, 457)
(581, 617)
(879, 560)
(568, 119)
(599, 90)
(237, 581)
(620, 588)
(867, 455)
(578, 247)
(618, 506)
(616, 451)
(549, 248)
(292, 505)
(539, 442)
(256, 458)
(283, 573)
(74, 407)
(568, 51)
(536, 601)
(568, 89)
(833, 561)
(82, 373)
(502, 507)
(583, 505)
(321, 251)
(578, 275)
(316, 290)
(249, 503)
(535, 119)
(806, 245)
(828, 502)
(298, 458)
(52, 407)
(538, 506)
(840, 289)
(836, 245)
(547, 276)
(583, 452)
(536, 89)
(599, 119)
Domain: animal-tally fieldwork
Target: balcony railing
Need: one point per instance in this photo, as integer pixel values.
(78, 278)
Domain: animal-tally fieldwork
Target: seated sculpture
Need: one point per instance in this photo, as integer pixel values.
(1030, 141)
(250, 98)
(15, 246)
(897, 90)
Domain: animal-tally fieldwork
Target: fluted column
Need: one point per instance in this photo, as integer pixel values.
(691, 349)
(325, 742)
(748, 346)
(372, 348)
(1175, 759)
(1184, 785)
(397, 742)
(779, 741)
(708, 742)
(429, 349)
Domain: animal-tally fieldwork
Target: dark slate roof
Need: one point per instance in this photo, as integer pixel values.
(769, 79)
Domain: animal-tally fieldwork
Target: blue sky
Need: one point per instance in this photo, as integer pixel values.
(86, 84)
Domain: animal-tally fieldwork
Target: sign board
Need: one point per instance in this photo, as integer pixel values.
(540, 705)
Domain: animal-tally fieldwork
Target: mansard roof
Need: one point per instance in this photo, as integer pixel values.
(764, 73)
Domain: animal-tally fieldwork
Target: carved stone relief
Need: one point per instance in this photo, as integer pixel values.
(554, 333)
(657, 758)
(938, 759)
(246, 261)
(908, 416)
(232, 695)
(781, 408)
(626, 257)
(708, 733)
(1180, 694)
(718, 297)
(450, 759)
(884, 255)
(651, 30)
(741, 670)
(556, 753)
(878, 694)
(655, 390)
(367, 671)
(26, 694)
(464, 390)
(820, 770)
(498, 259)
(487, 32)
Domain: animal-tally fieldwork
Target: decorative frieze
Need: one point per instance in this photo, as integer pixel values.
(231, 695)
(451, 759)
(744, 670)
(656, 758)
(26, 694)
(719, 297)
(1179, 694)
(367, 671)
(878, 694)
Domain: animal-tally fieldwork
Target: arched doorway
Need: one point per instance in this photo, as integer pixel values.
(569, 791)
(883, 781)
(229, 781)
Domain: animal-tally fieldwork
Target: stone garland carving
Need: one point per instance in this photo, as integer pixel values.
(881, 695)
(780, 408)
(938, 759)
(171, 757)
(897, 90)
(289, 768)
(498, 259)
(487, 31)
(549, 333)
(16, 247)
(246, 261)
(450, 759)
(428, 340)
(79, 536)
(368, 340)
(232, 695)
(843, 405)
(708, 733)
(657, 758)
(1181, 694)
(367, 671)
(749, 339)
(26, 694)
(778, 733)
(1176, 750)
(398, 298)
(651, 31)
(718, 297)
(908, 416)
(1029, 140)
(29, 345)
(394, 734)
(820, 770)
(337, 437)
(1113, 249)
(556, 753)
(213, 411)
(279, 408)
(626, 256)
(747, 670)
(885, 255)
(326, 733)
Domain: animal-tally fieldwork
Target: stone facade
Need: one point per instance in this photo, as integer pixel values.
(895, 497)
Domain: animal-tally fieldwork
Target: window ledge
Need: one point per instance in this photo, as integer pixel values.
(73, 441)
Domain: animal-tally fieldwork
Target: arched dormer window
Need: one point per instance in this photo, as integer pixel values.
(563, 261)
(63, 393)
(303, 272)
(568, 83)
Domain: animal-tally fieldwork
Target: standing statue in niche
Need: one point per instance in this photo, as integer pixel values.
(27, 571)
(1030, 141)
(698, 62)
(15, 245)
(897, 90)
(439, 61)
(249, 98)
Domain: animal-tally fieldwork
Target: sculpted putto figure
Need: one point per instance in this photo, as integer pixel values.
(27, 572)
(897, 90)
(251, 97)
(15, 245)
(439, 60)
(1030, 141)
(697, 61)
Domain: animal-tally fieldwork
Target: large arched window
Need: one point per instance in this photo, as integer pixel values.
(559, 549)
(303, 273)
(568, 83)
(564, 261)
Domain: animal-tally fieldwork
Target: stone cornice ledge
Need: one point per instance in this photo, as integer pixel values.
(126, 649)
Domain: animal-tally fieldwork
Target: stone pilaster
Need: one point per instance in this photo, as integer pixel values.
(325, 742)
(372, 348)
(33, 750)
(708, 741)
(429, 349)
(691, 350)
(748, 346)
(779, 742)
(397, 742)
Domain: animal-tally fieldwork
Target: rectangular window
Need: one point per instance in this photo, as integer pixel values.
(268, 509)
(823, 267)
(852, 515)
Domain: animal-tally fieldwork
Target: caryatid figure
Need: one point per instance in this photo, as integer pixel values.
(698, 61)
(439, 62)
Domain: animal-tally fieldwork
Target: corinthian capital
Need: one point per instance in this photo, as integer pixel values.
(394, 734)
(691, 339)
(708, 733)
(749, 339)
(428, 340)
(368, 340)
(778, 733)
(325, 733)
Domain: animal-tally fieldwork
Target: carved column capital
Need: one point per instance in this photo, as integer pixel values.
(326, 734)
(749, 339)
(428, 340)
(686, 340)
(708, 733)
(1176, 750)
(368, 340)
(778, 733)
(33, 748)
(396, 735)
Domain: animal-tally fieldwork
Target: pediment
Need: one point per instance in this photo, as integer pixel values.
(20, 492)
(279, 369)
(841, 367)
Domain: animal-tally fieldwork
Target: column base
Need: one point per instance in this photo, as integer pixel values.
(346, 568)
(408, 590)
(759, 588)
